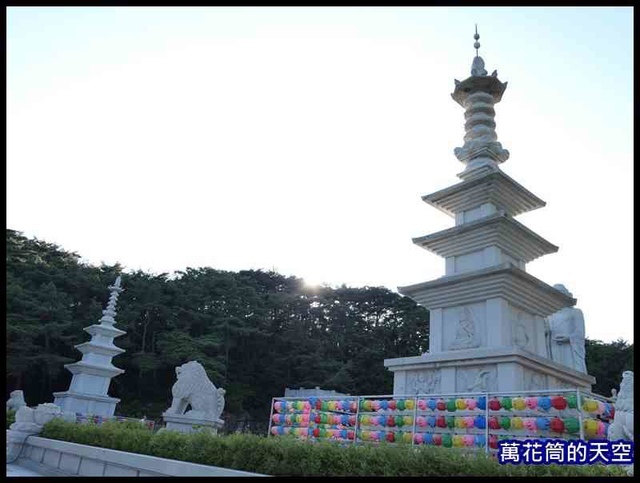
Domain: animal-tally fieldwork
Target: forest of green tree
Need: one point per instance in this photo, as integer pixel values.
(255, 332)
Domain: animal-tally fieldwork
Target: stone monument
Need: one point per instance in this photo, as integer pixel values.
(566, 336)
(622, 426)
(16, 400)
(194, 389)
(488, 316)
(88, 391)
(29, 422)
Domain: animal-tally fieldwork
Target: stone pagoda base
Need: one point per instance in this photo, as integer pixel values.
(75, 402)
(189, 424)
(496, 369)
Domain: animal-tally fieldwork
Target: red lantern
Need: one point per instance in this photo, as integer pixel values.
(556, 425)
(350, 434)
(316, 433)
(317, 419)
(494, 405)
(441, 405)
(494, 423)
(613, 413)
(391, 421)
(441, 422)
(437, 439)
(318, 404)
(391, 437)
(559, 402)
(392, 404)
(493, 441)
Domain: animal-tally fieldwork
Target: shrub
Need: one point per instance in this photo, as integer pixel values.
(286, 456)
(11, 417)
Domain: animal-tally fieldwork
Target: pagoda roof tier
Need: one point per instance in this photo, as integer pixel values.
(104, 329)
(505, 280)
(493, 187)
(92, 347)
(497, 229)
(82, 367)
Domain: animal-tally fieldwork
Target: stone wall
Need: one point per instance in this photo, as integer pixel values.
(60, 458)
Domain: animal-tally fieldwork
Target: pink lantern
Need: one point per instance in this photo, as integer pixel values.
(468, 439)
(421, 421)
(375, 405)
(529, 423)
(532, 402)
(274, 430)
(469, 421)
(471, 403)
(418, 438)
(277, 406)
(422, 404)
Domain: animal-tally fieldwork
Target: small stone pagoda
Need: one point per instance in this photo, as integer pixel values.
(488, 317)
(88, 392)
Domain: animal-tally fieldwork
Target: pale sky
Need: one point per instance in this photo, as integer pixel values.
(302, 139)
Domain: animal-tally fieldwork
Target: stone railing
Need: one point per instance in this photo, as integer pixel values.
(60, 458)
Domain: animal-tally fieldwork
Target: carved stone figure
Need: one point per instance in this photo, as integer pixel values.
(622, 426)
(476, 379)
(466, 336)
(16, 400)
(481, 382)
(194, 388)
(567, 335)
(29, 421)
(520, 335)
(534, 381)
(423, 382)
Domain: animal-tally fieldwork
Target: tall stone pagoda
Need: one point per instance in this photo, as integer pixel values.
(88, 392)
(489, 328)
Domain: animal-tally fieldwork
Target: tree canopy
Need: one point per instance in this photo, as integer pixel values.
(255, 332)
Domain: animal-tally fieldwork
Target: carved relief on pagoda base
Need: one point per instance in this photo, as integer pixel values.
(464, 327)
(477, 378)
(423, 382)
(534, 381)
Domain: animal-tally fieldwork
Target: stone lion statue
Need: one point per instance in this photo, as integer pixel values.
(622, 426)
(193, 388)
(16, 400)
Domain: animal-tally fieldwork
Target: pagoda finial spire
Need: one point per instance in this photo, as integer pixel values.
(477, 66)
(476, 44)
(110, 312)
(477, 95)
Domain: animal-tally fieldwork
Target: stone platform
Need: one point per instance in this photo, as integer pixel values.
(494, 369)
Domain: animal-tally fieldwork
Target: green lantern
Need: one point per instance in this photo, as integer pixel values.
(447, 442)
(399, 421)
(505, 422)
(400, 405)
(506, 403)
(451, 422)
(572, 425)
(451, 405)
(572, 401)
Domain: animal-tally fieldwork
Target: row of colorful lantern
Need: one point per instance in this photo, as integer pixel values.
(97, 419)
(543, 403)
(571, 425)
(436, 439)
